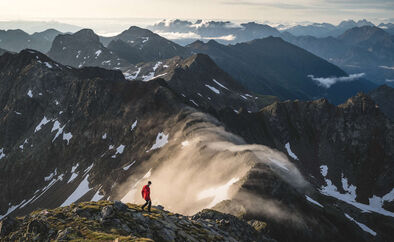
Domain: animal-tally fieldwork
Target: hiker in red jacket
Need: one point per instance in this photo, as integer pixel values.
(146, 195)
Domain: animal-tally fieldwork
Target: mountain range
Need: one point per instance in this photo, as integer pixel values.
(17, 40)
(362, 49)
(373, 57)
(272, 66)
(322, 30)
(267, 66)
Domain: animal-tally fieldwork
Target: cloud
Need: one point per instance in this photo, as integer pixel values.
(179, 35)
(191, 35)
(229, 37)
(390, 80)
(327, 82)
(387, 67)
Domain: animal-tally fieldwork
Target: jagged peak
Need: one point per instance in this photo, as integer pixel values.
(137, 30)
(361, 101)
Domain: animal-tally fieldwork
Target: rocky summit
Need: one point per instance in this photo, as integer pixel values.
(116, 221)
(83, 48)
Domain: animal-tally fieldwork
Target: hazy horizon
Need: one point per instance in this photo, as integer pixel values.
(113, 26)
(120, 13)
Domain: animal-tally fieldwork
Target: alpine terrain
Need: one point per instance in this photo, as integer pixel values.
(196, 130)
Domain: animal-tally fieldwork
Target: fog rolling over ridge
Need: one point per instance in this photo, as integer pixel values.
(204, 165)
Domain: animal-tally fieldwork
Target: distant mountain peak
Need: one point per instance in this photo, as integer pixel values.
(87, 34)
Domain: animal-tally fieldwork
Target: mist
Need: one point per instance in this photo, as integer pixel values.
(201, 166)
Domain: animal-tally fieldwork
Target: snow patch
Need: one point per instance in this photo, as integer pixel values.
(11, 209)
(56, 126)
(134, 125)
(73, 173)
(2, 154)
(98, 53)
(220, 84)
(148, 77)
(22, 145)
(324, 170)
(133, 76)
(145, 39)
(362, 226)
(157, 65)
(213, 89)
(97, 196)
(79, 192)
(161, 140)
(313, 201)
(30, 94)
(291, 154)
(191, 100)
(43, 122)
(243, 97)
(50, 176)
(48, 65)
(67, 137)
(350, 196)
(119, 150)
(128, 166)
(104, 136)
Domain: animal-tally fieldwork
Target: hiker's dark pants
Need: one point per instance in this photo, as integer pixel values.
(149, 203)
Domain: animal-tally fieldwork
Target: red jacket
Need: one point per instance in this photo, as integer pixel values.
(146, 193)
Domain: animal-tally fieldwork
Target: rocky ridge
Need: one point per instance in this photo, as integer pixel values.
(106, 220)
(84, 48)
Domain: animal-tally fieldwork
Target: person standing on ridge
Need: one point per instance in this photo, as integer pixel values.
(146, 195)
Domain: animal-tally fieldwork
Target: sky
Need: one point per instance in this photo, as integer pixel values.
(279, 11)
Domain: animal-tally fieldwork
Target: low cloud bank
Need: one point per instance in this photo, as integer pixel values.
(191, 35)
(327, 82)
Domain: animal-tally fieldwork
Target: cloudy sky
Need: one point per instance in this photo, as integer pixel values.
(260, 10)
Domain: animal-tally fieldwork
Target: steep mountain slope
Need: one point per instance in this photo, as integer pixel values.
(141, 45)
(274, 67)
(200, 82)
(384, 98)
(83, 48)
(69, 135)
(17, 40)
(344, 151)
(362, 49)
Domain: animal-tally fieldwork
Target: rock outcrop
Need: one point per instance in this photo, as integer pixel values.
(106, 220)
